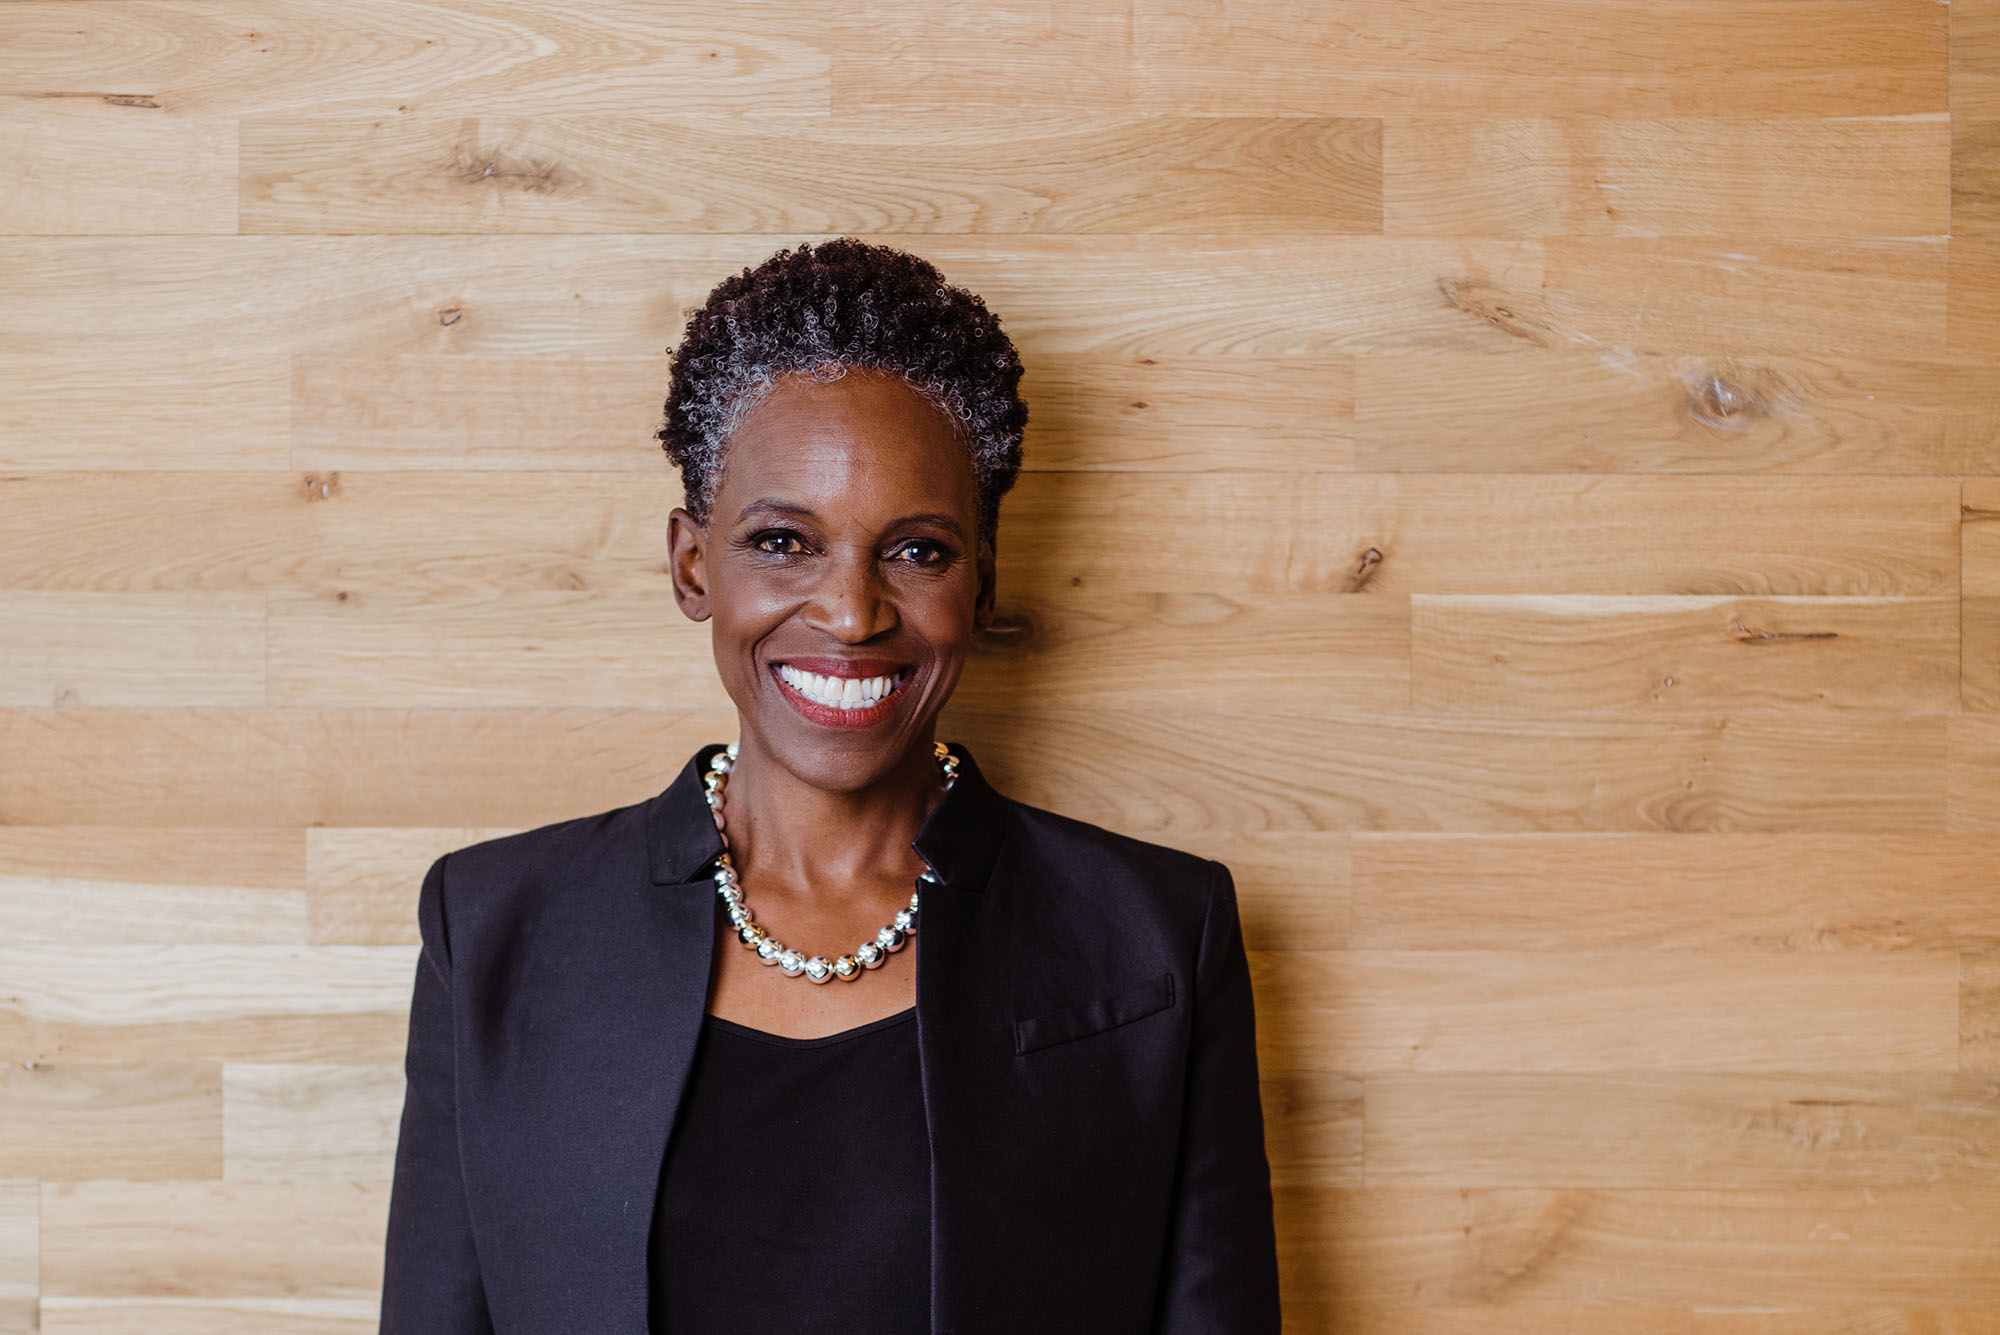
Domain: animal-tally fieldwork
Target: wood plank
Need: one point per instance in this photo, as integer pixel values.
(205, 1004)
(1684, 1130)
(1831, 891)
(1534, 1248)
(213, 1239)
(98, 167)
(1974, 323)
(1972, 762)
(155, 649)
(292, 768)
(104, 297)
(1361, 1011)
(356, 648)
(1975, 60)
(432, 410)
(171, 886)
(1860, 1319)
(1979, 1011)
(137, 408)
(1783, 178)
(915, 59)
(295, 1122)
(1665, 654)
(1865, 298)
(1579, 406)
(1395, 534)
(151, 1118)
(210, 1316)
(1027, 172)
(20, 1262)
(1567, 58)
(182, 58)
(1975, 177)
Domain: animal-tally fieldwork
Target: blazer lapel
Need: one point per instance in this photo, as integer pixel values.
(962, 927)
(665, 995)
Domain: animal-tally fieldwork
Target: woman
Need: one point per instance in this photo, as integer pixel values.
(830, 1031)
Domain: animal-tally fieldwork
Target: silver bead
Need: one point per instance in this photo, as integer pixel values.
(927, 879)
(740, 914)
(751, 933)
(819, 968)
(906, 920)
(870, 955)
(768, 950)
(913, 903)
(792, 963)
(729, 894)
(889, 939)
(730, 751)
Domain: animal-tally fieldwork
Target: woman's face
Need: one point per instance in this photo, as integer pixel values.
(843, 571)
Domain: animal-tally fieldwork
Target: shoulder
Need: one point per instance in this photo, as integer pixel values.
(1112, 877)
(535, 872)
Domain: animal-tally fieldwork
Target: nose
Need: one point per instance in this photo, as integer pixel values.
(851, 601)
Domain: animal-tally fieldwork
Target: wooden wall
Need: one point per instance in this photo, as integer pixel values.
(1520, 481)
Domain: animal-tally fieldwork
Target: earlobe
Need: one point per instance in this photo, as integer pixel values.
(687, 564)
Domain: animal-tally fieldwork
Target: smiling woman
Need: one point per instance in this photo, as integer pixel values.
(1033, 1097)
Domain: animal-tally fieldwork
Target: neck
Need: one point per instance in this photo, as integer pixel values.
(824, 842)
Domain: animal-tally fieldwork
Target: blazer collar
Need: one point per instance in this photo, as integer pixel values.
(959, 839)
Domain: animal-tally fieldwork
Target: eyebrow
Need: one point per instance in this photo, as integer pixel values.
(775, 505)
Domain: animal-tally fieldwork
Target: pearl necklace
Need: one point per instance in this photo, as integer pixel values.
(869, 954)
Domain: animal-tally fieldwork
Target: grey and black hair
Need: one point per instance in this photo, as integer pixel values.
(821, 312)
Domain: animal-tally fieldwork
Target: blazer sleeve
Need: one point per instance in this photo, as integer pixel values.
(430, 1271)
(1221, 1274)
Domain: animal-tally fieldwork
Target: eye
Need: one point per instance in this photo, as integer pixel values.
(778, 542)
(922, 552)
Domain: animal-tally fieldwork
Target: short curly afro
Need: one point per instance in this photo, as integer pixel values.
(820, 311)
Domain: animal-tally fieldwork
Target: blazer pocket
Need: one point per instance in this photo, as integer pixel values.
(1092, 1017)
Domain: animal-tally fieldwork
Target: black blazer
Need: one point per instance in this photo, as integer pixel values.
(1084, 1025)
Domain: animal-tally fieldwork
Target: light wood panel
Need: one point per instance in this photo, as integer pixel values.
(1516, 482)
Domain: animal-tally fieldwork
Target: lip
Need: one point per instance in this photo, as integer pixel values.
(844, 667)
(845, 719)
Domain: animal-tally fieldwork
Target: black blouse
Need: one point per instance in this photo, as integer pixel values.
(796, 1187)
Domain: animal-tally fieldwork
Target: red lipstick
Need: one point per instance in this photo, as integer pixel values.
(831, 716)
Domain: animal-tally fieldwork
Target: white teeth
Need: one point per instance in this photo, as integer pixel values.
(838, 692)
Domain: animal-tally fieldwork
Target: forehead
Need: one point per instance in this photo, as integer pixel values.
(865, 444)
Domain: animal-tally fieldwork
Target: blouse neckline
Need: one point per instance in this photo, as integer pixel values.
(785, 1041)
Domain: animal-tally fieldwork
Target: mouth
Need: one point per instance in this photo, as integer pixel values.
(842, 693)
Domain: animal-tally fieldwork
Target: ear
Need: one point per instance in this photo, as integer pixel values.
(687, 562)
(982, 609)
